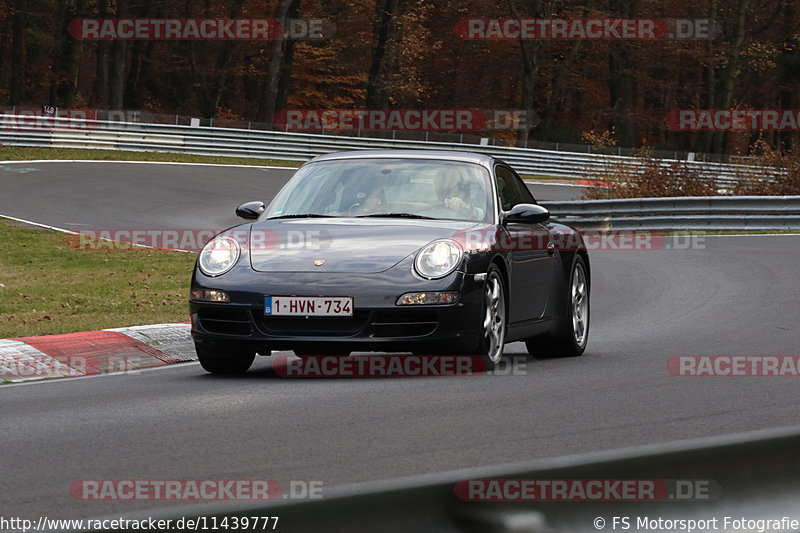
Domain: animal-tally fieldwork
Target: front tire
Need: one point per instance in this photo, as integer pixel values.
(490, 346)
(571, 335)
(224, 361)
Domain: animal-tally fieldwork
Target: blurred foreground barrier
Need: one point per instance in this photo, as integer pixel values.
(747, 477)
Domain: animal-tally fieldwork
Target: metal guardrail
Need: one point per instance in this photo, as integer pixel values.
(752, 476)
(479, 137)
(73, 133)
(690, 213)
(721, 213)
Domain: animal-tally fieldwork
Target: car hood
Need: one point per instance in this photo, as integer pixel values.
(346, 245)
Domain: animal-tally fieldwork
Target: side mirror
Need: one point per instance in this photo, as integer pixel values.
(527, 214)
(250, 210)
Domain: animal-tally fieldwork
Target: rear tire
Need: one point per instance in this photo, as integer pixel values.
(224, 361)
(571, 335)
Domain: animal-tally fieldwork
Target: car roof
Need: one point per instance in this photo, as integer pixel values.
(442, 155)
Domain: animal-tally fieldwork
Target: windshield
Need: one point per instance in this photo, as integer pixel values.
(387, 188)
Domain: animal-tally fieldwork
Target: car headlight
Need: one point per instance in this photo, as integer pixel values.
(438, 259)
(218, 256)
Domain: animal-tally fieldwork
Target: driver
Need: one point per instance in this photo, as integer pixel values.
(454, 192)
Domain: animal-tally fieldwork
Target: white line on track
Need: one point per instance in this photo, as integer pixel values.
(145, 163)
(37, 224)
(73, 232)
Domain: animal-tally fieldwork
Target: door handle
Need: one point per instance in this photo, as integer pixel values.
(551, 248)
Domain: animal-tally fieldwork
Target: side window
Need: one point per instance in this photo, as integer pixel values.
(511, 189)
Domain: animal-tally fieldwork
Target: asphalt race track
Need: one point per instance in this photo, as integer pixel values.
(102, 195)
(722, 296)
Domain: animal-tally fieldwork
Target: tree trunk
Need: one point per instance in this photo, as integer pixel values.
(789, 78)
(706, 138)
(210, 83)
(385, 10)
(118, 64)
(100, 90)
(532, 55)
(57, 56)
(213, 90)
(554, 103)
(621, 82)
(72, 61)
(730, 73)
(277, 88)
(17, 81)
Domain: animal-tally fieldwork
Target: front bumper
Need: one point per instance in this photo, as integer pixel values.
(377, 324)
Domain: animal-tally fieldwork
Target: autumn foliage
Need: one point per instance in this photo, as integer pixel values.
(406, 54)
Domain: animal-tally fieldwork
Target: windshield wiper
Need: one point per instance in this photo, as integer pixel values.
(394, 215)
(302, 215)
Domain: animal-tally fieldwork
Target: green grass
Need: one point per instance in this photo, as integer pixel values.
(15, 153)
(49, 286)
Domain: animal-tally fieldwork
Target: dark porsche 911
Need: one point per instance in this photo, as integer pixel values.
(392, 251)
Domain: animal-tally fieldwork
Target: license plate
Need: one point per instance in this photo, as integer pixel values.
(308, 306)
